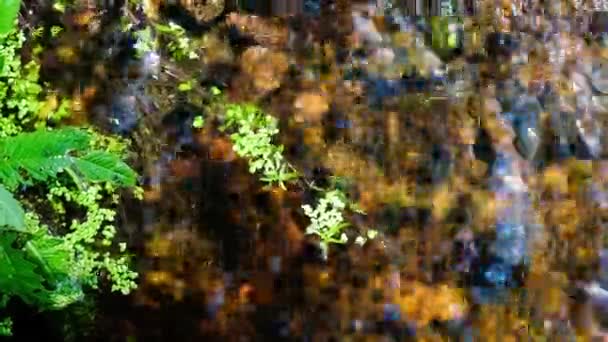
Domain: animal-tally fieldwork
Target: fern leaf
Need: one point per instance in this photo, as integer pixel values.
(41, 154)
(12, 215)
(18, 275)
(20, 272)
(9, 10)
(51, 254)
(100, 166)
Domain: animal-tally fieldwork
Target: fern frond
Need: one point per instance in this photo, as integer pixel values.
(20, 273)
(12, 215)
(17, 275)
(51, 253)
(101, 166)
(40, 155)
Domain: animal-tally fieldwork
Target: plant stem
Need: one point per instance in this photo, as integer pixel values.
(75, 178)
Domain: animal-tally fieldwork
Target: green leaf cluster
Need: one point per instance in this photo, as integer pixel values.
(252, 136)
(326, 218)
(35, 267)
(19, 88)
(179, 45)
(198, 122)
(146, 42)
(40, 155)
(45, 270)
(252, 139)
(47, 260)
(21, 107)
(8, 14)
(171, 36)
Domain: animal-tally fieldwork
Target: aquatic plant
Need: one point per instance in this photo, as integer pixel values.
(198, 122)
(326, 219)
(61, 5)
(252, 138)
(179, 46)
(19, 88)
(146, 42)
(21, 105)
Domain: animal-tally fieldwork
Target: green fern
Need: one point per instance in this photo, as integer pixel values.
(40, 268)
(37, 271)
(11, 212)
(51, 253)
(9, 10)
(101, 166)
(41, 155)
(18, 275)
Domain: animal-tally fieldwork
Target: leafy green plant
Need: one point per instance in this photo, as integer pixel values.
(175, 39)
(48, 258)
(252, 139)
(39, 266)
(43, 154)
(19, 88)
(326, 218)
(11, 212)
(186, 86)
(21, 107)
(198, 122)
(8, 13)
(252, 136)
(146, 42)
(42, 264)
(61, 5)
(180, 46)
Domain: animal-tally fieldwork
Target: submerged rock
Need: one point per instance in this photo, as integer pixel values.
(203, 10)
(124, 114)
(264, 67)
(526, 117)
(590, 134)
(365, 29)
(599, 77)
(310, 106)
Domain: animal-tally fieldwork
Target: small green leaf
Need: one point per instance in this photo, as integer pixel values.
(8, 14)
(59, 7)
(55, 30)
(198, 122)
(185, 86)
(215, 91)
(6, 326)
(11, 212)
(357, 209)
